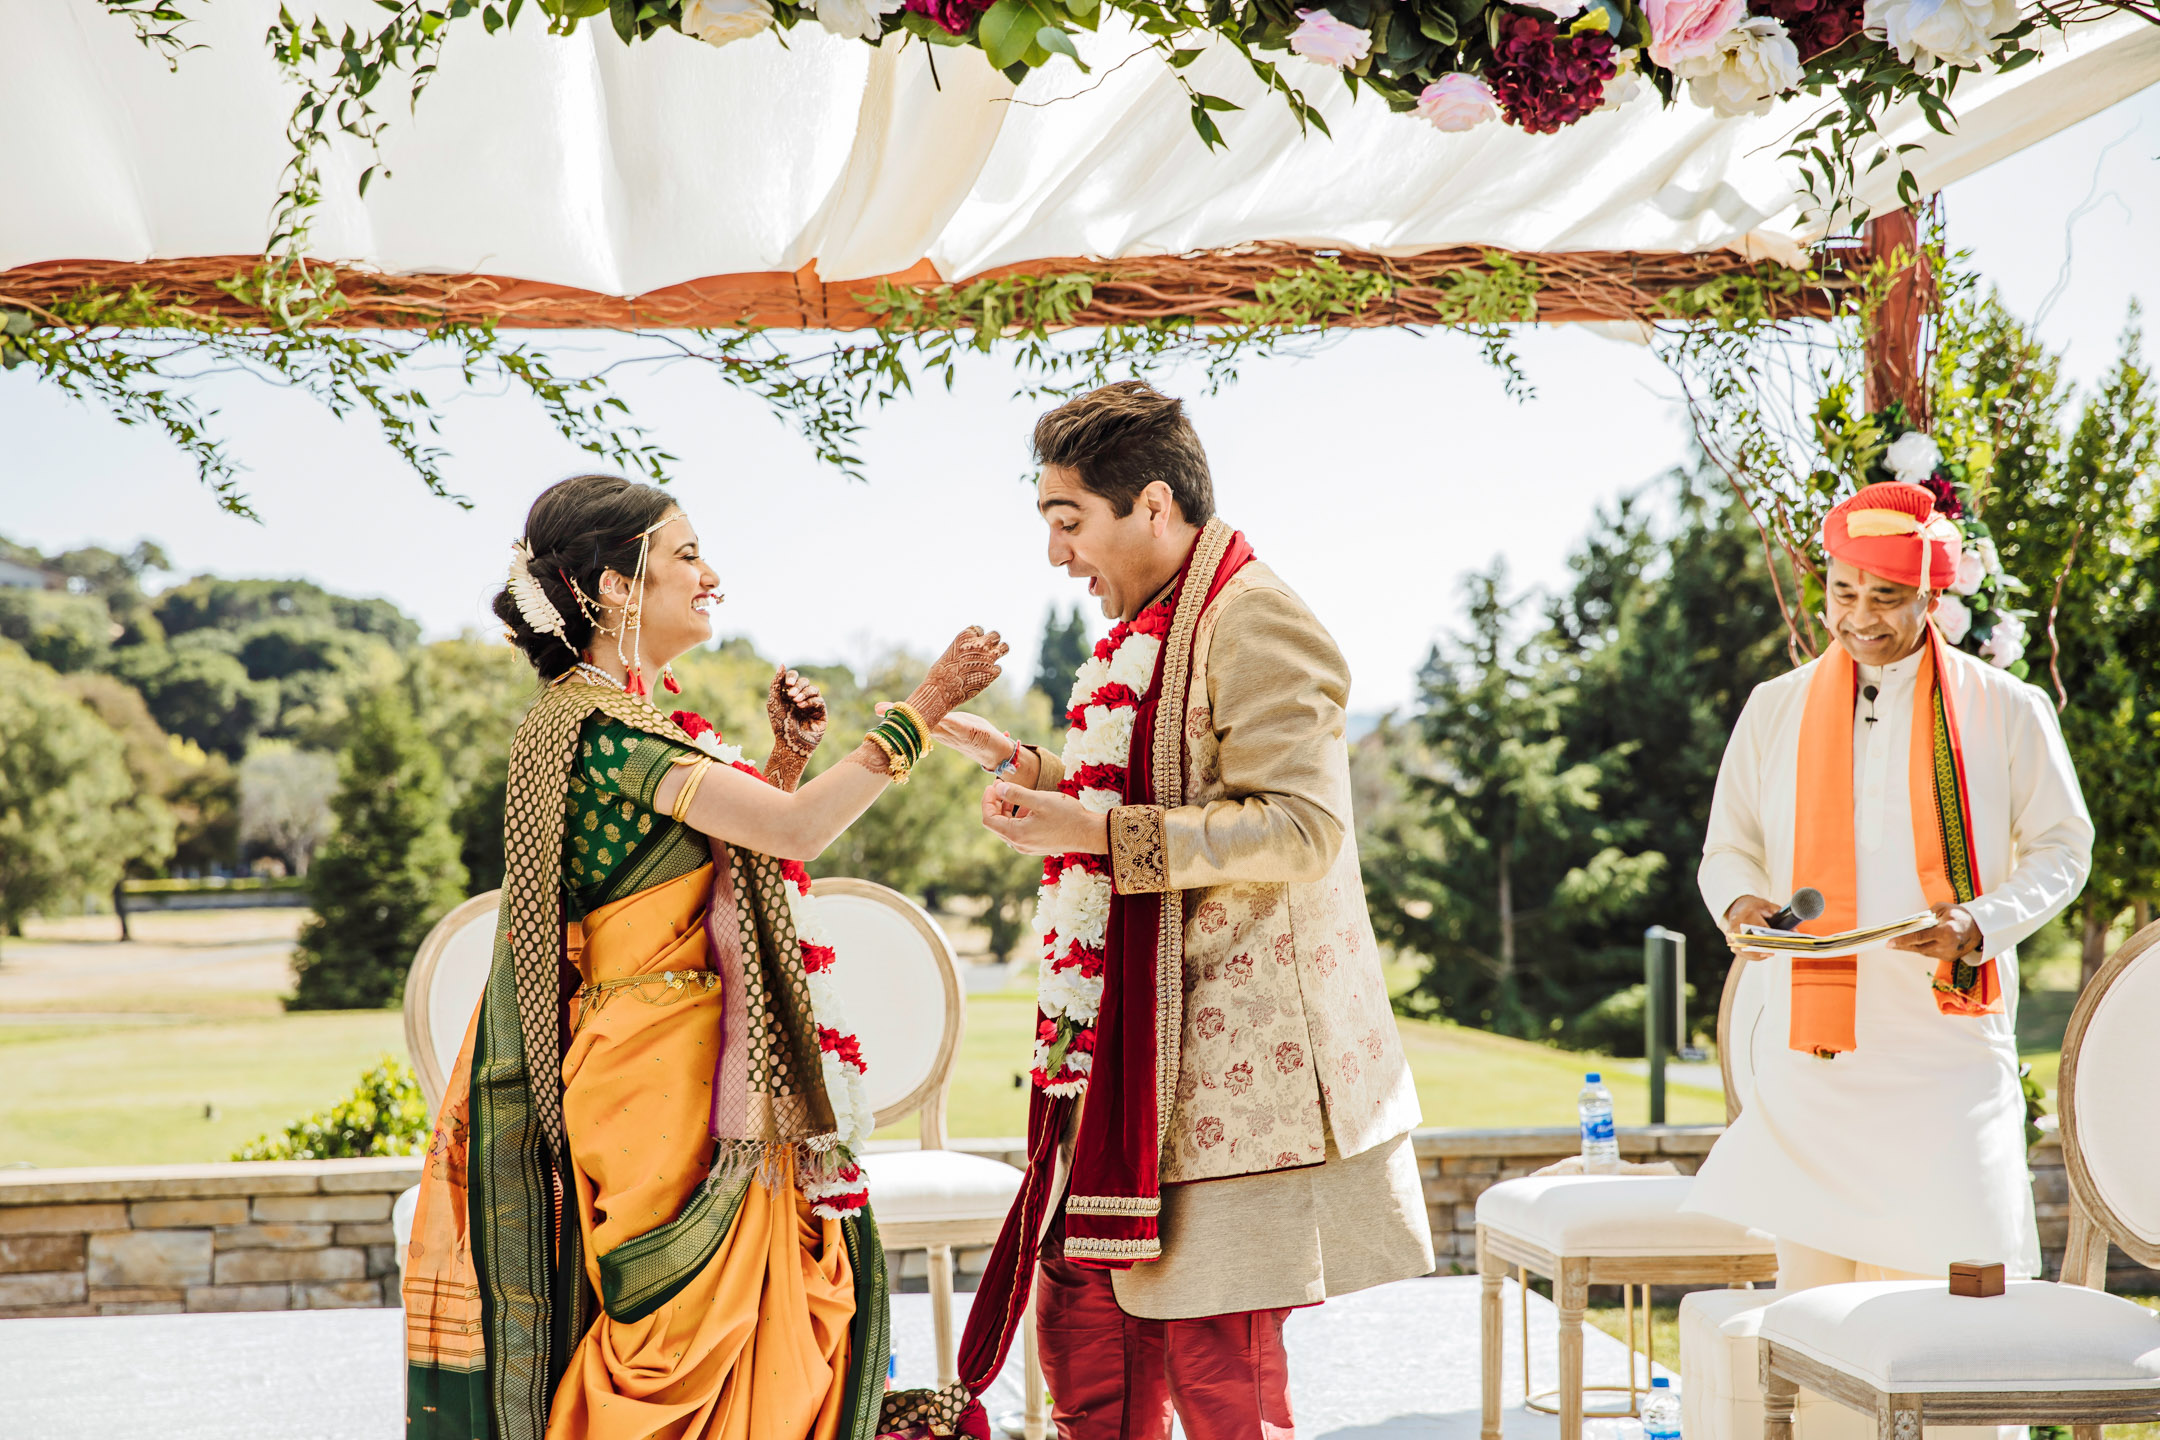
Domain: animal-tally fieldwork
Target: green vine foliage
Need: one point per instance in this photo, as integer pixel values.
(138, 356)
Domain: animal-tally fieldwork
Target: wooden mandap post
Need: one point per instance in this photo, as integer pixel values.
(1896, 330)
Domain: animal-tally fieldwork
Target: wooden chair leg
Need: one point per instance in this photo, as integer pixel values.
(1571, 1291)
(1490, 1273)
(2085, 1432)
(1779, 1397)
(941, 1288)
(1033, 1421)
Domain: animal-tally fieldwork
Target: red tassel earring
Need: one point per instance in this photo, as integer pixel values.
(668, 680)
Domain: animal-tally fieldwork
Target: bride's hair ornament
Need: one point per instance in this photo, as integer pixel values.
(532, 602)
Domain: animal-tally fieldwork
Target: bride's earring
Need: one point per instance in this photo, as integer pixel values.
(668, 680)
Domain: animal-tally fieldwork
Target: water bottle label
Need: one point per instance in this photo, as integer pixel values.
(1597, 1127)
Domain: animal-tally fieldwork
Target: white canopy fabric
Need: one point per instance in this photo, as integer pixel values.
(624, 169)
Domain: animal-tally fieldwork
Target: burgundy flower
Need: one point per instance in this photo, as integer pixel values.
(1543, 79)
(1946, 496)
(1813, 25)
(953, 16)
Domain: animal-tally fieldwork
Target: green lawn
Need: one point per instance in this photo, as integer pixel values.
(135, 1093)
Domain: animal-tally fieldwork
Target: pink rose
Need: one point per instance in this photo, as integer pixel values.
(1685, 29)
(1456, 101)
(1327, 40)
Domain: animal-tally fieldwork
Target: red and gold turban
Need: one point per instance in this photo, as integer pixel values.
(1891, 529)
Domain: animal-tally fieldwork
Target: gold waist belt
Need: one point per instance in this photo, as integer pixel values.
(664, 988)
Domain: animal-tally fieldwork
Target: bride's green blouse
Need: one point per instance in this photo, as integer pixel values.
(615, 843)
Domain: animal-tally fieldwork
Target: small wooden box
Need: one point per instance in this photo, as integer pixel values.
(1976, 1278)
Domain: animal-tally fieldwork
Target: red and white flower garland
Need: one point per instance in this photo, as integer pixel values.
(1072, 910)
(838, 1189)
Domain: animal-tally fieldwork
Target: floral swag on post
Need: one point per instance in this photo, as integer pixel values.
(1072, 910)
(840, 1190)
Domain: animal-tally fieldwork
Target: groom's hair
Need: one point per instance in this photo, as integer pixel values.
(1121, 439)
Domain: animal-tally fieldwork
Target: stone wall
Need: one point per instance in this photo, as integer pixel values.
(159, 1239)
(316, 1234)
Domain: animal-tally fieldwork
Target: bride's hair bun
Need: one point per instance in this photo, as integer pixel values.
(578, 529)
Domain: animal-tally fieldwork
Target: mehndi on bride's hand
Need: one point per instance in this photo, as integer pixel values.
(964, 671)
(796, 712)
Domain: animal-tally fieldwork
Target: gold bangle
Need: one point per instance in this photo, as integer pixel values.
(680, 810)
(914, 718)
(895, 767)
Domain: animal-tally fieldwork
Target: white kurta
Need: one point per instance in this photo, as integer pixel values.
(1909, 1151)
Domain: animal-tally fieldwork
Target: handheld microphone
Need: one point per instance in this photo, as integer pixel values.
(1806, 904)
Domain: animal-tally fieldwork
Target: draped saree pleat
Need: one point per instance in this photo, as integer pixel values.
(755, 1345)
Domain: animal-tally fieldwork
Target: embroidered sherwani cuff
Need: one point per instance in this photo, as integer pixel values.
(1139, 859)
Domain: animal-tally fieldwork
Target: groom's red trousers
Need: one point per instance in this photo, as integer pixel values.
(1114, 1376)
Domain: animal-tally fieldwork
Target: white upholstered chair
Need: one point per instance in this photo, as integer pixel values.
(1910, 1354)
(904, 1002)
(1627, 1230)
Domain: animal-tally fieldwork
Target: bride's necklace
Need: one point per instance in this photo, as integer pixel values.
(597, 675)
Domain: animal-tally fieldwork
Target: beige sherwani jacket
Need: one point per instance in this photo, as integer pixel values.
(1287, 1172)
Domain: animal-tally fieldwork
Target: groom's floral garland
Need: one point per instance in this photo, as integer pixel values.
(839, 1190)
(1072, 910)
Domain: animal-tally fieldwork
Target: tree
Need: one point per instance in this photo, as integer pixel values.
(1638, 673)
(1065, 645)
(285, 801)
(1502, 841)
(67, 632)
(200, 692)
(146, 823)
(2075, 514)
(388, 872)
(64, 793)
(471, 696)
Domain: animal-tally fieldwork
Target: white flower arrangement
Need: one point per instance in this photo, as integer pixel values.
(1753, 63)
(1912, 457)
(721, 22)
(1953, 619)
(1949, 32)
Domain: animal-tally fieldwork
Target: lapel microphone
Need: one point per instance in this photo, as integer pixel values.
(1867, 693)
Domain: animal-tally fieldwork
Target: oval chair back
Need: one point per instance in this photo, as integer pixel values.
(2110, 1074)
(442, 990)
(902, 989)
(1739, 1023)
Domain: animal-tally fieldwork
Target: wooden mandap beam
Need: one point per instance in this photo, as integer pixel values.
(1581, 286)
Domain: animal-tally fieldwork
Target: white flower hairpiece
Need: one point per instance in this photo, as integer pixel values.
(525, 592)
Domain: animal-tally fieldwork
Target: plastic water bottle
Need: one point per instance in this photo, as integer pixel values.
(1661, 1411)
(1600, 1151)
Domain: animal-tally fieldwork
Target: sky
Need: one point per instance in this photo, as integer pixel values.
(1372, 475)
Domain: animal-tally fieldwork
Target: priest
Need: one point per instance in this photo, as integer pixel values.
(1897, 775)
(1219, 1130)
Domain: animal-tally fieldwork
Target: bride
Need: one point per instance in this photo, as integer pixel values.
(640, 1214)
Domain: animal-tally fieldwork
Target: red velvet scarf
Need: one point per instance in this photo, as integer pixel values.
(1115, 1188)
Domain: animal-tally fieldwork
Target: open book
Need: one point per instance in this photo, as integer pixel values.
(1844, 942)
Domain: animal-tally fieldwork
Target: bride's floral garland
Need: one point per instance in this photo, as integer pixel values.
(840, 1189)
(1072, 910)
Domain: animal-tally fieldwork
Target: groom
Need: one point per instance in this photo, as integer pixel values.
(1211, 1006)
